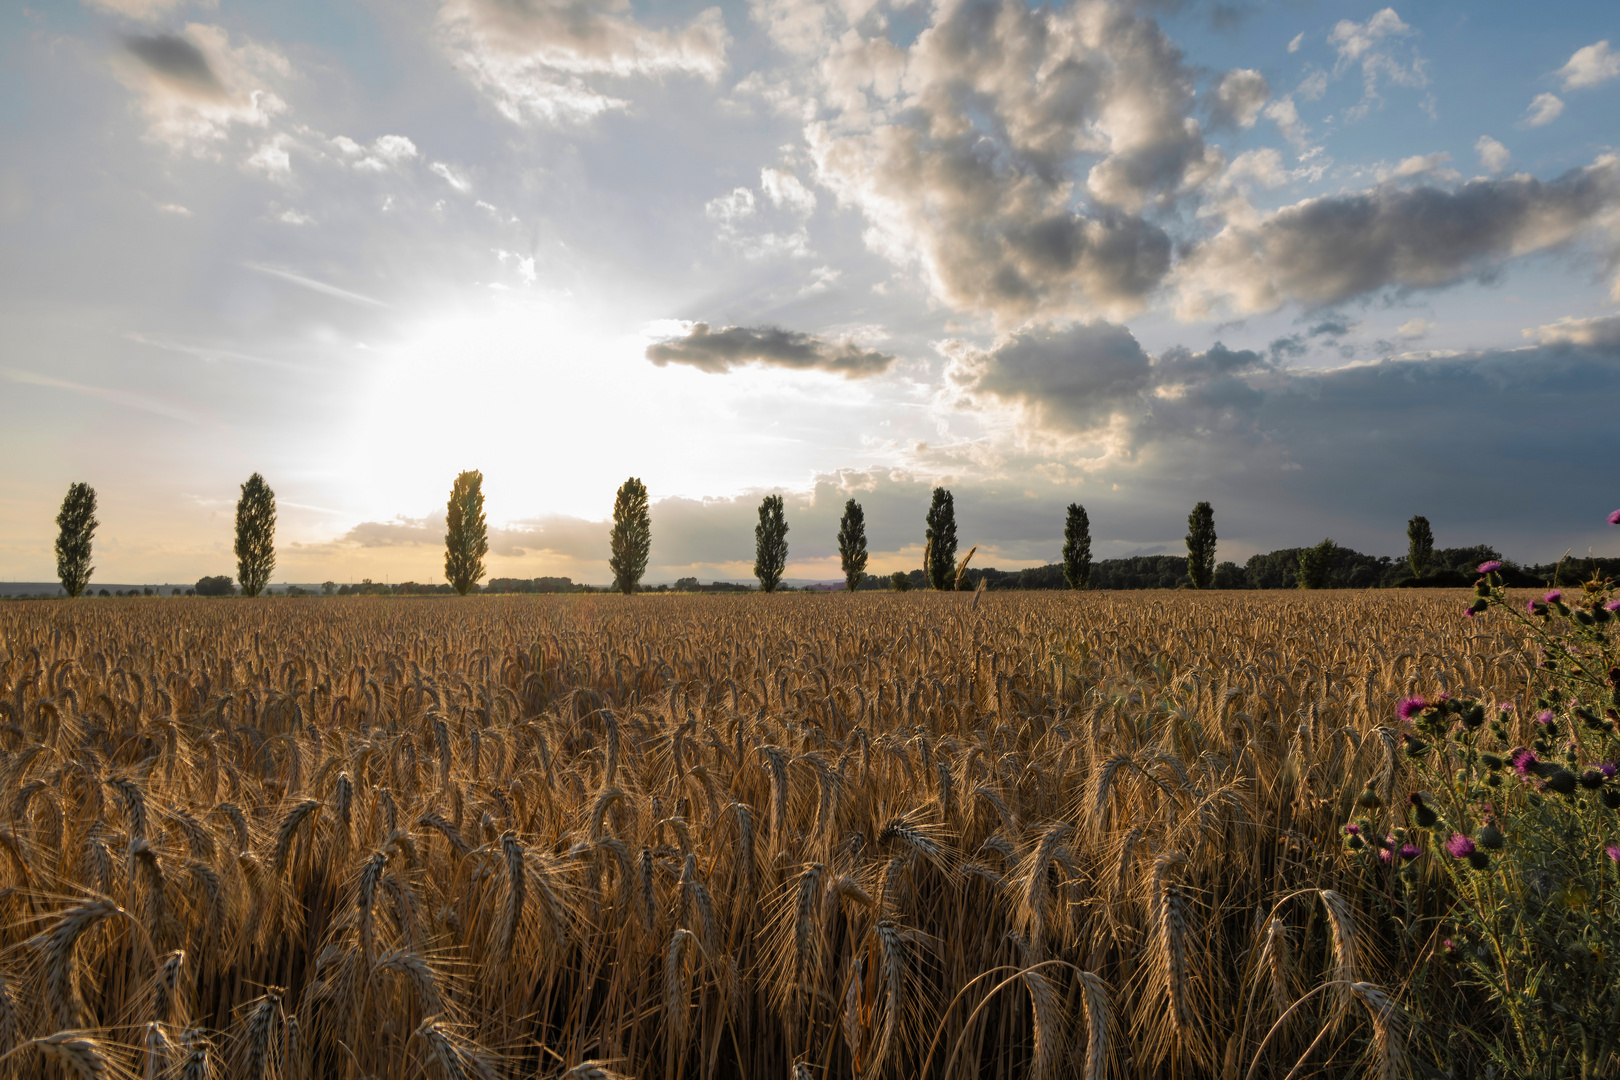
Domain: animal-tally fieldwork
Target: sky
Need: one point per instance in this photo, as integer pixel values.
(1324, 264)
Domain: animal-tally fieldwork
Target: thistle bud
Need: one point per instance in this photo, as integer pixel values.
(1479, 860)
(1424, 816)
(1591, 779)
(1611, 798)
(1369, 798)
(1491, 837)
(1562, 781)
(1474, 718)
(1491, 761)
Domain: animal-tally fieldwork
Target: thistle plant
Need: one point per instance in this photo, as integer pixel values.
(1519, 818)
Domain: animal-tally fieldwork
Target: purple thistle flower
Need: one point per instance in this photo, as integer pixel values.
(1524, 760)
(1612, 605)
(1468, 612)
(1409, 851)
(1614, 518)
(1506, 706)
(1489, 566)
(1530, 606)
(1554, 596)
(1544, 717)
(1460, 846)
(1608, 769)
(1613, 852)
(1411, 707)
(1352, 829)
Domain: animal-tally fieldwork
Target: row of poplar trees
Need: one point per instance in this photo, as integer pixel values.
(76, 526)
(466, 539)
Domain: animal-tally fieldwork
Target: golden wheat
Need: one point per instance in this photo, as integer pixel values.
(706, 837)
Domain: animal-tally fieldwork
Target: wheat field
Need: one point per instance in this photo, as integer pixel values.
(872, 835)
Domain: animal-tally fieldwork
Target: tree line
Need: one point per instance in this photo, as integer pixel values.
(1322, 566)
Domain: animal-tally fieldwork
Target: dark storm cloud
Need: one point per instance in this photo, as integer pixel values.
(721, 351)
(178, 60)
(1507, 445)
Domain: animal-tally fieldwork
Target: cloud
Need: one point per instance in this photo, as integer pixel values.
(1094, 380)
(1325, 250)
(450, 176)
(315, 286)
(1415, 328)
(1590, 66)
(721, 351)
(194, 86)
(785, 190)
(1297, 40)
(1493, 156)
(732, 207)
(1240, 96)
(1598, 330)
(1544, 109)
(545, 59)
(1366, 44)
(1426, 165)
(147, 9)
(1290, 452)
(964, 166)
(122, 398)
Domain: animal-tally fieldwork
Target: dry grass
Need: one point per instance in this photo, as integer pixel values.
(708, 837)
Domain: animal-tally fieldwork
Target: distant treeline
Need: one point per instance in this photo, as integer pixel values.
(1350, 569)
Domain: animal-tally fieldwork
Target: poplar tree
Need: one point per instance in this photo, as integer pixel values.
(1419, 544)
(466, 536)
(76, 524)
(631, 538)
(255, 535)
(770, 543)
(1077, 547)
(939, 548)
(852, 545)
(1201, 546)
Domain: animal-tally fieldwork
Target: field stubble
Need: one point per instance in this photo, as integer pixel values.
(1041, 835)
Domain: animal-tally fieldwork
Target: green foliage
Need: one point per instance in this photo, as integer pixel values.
(1201, 546)
(210, 586)
(900, 581)
(1316, 565)
(770, 543)
(1527, 837)
(328, 588)
(533, 585)
(1077, 547)
(939, 549)
(466, 536)
(76, 525)
(631, 539)
(1419, 544)
(852, 545)
(255, 535)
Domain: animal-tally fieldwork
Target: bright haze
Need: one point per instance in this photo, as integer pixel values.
(1324, 264)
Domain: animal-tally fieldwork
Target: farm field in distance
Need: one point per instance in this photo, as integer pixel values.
(802, 836)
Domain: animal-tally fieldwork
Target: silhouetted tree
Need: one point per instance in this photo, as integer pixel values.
(1077, 547)
(219, 585)
(631, 539)
(466, 536)
(939, 548)
(1201, 546)
(1316, 565)
(1419, 544)
(900, 581)
(255, 535)
(770, 543)
(852, 545)
(76, 525)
